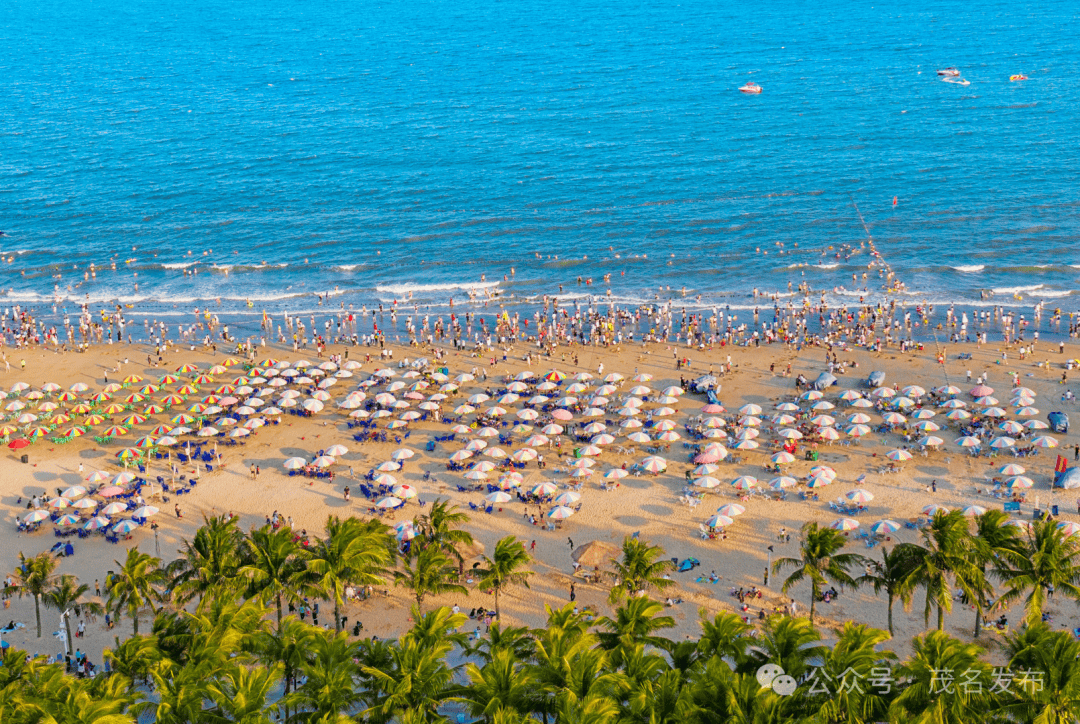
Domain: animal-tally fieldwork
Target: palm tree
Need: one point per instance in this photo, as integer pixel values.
(640, 569)
(273, 565)
(854, 659)
(65, 594)
(947, 683)
(417, 680)
(428, 571)
(209, 562)
(992, 543)
(440, 528)
(637, 622)
(134, 585)
(505, 567)
(34, 578)
(245, 694)
(504, 682)
(287, 646)
(353, 553)
(943, 558)
(726, 635)
(890, 575)
(1049, 688)
(787, 642)
(1047, 558)
(820, 561)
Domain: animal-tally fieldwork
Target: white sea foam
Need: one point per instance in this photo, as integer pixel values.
(826, 266)
(970, 268)
(179, 265)
(404, 289)
(1017, 290)
(1052, 293)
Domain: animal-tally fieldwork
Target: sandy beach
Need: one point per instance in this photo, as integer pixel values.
(654, 507)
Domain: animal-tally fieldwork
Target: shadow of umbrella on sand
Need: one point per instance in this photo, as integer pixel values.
(596, 553)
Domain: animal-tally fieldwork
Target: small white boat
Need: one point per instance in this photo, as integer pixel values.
(949, 72)
(957, 80)
(751, 87)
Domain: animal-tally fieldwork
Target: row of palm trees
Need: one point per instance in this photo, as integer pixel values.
(1027, 563)
(222, 649)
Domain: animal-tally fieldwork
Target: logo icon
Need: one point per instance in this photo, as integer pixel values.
(772, 676)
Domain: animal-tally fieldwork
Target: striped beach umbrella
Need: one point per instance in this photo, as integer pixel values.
(844, 524)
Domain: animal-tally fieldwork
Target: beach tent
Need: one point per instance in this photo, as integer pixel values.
(876, 379)
(824, 381)
(703, 383)
(1069, 479)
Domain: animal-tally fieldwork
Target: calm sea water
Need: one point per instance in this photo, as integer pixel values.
(379, 150)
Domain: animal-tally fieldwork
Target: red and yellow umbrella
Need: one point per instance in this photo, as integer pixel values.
(153, 409)
(81, 409)
(169, 400)
(59, 419)
(6, 430)
(231, 362)
(67, 396)
(225, 389)
(160, 430)
(36, 432)
(135, 397)
(268, 363)
(217, 370)
(242, 380)
(185, 368)
(101, 397)
(133, 419)
(167, 379)
(203, 379)
(111, 388)
(129, 453)
(113, 409)
(114, 431)
(149, 389)
(146, 441)
(188, 390)
(133, 379)
(198, 407)
(182, 419)
(93, 419)
(211, 399)
(73, 431)
(554, 376)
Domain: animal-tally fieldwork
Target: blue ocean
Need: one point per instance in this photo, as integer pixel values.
(250, 156)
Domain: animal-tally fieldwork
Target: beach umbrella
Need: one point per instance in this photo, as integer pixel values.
(706, 482)
(85, 504)
(844, 524)
(744, 482)
(818, 481)
(822, 405)
(323, 461)
(36, 516)
(59, 503)
(498, 497)
(1011, 469)
(385, 479)
(68, 519)
(923, 414)
(567, 498)
(114, 508)
(1017, 523)
(1044, 441)
(859, 495)
(973, 511)
(543, 489)
(931, 441)
(461, 455)
(476, 475)
(74, 492)
(884, 527)
(294, 463)
(129, 453)
(560, 512)
(861, 402)
(207, 431)
(97, 523)
(719, 521)
(933, 509)
(828, 433)
(893, 418)
(124, 527)
(898, 455)
(883, 392)
(957, 415)
(524, 455)
(1002, 442)
(783, 481)
(402, 454)
(858, 430)
(1027, 411)
(389, 502)
(1069, 529)
(110, 491)
(495, 452)
(405, 491)
(994, 412)
(750, 409)
(913, 391)
(144, 511)
(18, 443)
(746, 444)
(337, 450)
(782, 457)
(823, 470)
(654, 464)
(926, 426)
(1011, 427)
(981, 391)
(790, 434)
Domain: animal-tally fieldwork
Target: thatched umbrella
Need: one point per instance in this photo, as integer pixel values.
(596, 553)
